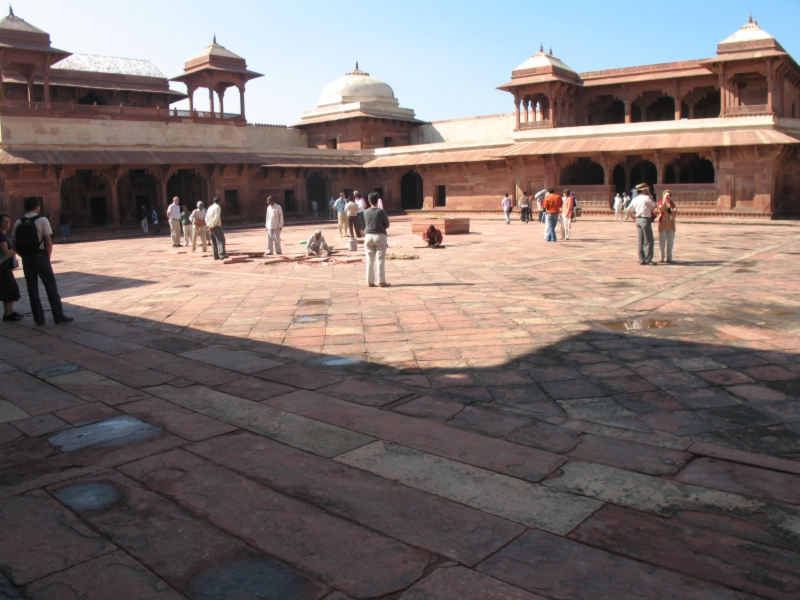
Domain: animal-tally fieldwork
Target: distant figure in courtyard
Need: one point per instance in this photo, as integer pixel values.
(274, 226)
(144, 215)
(332, 208)
(174, 220)
(626, 204)
(9, 290)
(539, 197)
(186, 222)
(666, 225)
(617, 206)
(351, 212)
(568, 213)
(642, 208)
(32, 239)
(341, 218)
(63, 224)
(380, 201)
(377, 222)
(361, 203)
(214, 226)
(154, 216)
(552, 206)
(433, 237)
(314, 209)
(507, 206)
(198, 219)
(525, 208)
(316, 244)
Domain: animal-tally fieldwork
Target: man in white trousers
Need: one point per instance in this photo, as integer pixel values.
(274, 226)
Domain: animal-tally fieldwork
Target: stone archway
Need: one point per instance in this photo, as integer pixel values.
(584, 171)
(618, 179)
(411, 196)
(188, 186)
(317, 191)
(644, 172)
(86, 198)
(136, 189)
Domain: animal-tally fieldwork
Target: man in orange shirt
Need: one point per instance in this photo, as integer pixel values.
(552, 206)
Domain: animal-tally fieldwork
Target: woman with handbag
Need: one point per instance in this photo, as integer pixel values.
(666, 225)
(9, 290)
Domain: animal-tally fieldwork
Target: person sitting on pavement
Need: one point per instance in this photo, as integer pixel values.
(432, 237)
(316, 243)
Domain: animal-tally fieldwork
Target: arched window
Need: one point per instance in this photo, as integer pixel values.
(584, 171)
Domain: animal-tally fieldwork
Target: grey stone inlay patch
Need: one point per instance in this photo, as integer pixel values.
(520, 501)
(298, 431)
(666, 497)
(241, 361)
(55, 371)
(11, 412)
(335, 361)
(7, 591)
(84, 497)
(99, 433)
(253, 578)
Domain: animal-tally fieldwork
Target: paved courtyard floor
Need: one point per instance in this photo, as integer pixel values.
(511, 419)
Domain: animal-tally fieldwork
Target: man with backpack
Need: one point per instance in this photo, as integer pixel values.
(32, 239)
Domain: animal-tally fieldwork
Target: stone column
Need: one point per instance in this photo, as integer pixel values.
(722, 92)
(113, 179)
(770, 86)
(628, 114)
(241, 100)
(691, 109)
(211, 100)
(221, 96)
(30, 87)
(190, 91)
(527, 103)
(47, 84)
(517, 103)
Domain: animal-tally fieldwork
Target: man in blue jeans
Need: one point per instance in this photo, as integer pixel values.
(552, 206)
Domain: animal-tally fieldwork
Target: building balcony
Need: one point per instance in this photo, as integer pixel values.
(96, 111)
(748, 111)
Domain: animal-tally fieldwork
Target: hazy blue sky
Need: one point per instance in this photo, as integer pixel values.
(443, 58)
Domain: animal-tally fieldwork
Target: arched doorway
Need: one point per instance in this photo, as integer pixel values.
(662, 109)
(605, 110)
(138, 188)
(584, 171)
(85, 197)
(411, 191)
(644, 172)
(316, 191)
(619, 179)
(188, 186)
(692, 168)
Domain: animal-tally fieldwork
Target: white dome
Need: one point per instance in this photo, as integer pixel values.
(356, 87)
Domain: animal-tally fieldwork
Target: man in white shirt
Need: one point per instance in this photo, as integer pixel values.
(35, 246)
(214, 225)
(274, 226)
(198, 219)
(174, 218)
(617, 206)
(507, 206)
(339, 205)
(642, 209)
(362, 205)
(316, 244)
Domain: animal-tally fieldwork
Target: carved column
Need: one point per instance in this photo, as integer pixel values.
(628, 111)
(691, 109)
(113, 180)
(770, 85)
(517, 102)
(722, 92)
(527, 103)
(241, 99)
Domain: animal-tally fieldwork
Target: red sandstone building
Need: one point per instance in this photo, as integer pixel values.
(97, 137)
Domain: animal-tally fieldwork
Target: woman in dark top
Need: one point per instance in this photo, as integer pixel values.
(376, 222)
(9, 290)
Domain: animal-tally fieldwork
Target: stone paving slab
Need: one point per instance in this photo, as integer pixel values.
(457, 582)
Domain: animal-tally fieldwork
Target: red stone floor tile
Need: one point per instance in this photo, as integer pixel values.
(648, 402)
(748, 458)
(342, 554)
(729, 561)
(451, 583)
(8, 433)
(199, 372)
(34, 396)
(725, 377)
(364, 392)
(486, 422)
(770, 373)
(176, 419)
(546, 437)
(41, 537)
(678, 422)
(87, 413)
(430, 408)
(554, 567)
(254, 388)
(39, 425)
(412, 516)
(299, 376)
(422, 434)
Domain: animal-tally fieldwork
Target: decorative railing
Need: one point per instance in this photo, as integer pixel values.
(746, 111)
(698, 195)
(536, 125)
(595, 197)
(268, 125)
(98, 110)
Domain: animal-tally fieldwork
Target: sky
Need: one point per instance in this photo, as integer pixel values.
(443, 58)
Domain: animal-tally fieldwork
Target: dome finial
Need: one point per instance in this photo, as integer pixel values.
(215, 39)
(10, 10)
(541, 48)
(357, 71)
(755, 21)
(551, 51)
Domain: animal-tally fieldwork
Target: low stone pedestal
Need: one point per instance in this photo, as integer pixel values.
(446, 226)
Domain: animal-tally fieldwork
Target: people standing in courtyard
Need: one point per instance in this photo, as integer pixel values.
(433, 237)
(507, 205)
(617, 206)
(332, 208)
(361, 203)
(274, 226)
(380, 201)
(214, 225)
(626, 204)
(539, 197)
(154, 216)
(341, 218)
(351, 212)
(32, 239)
(144, 215)
(316, 244)
(568, 213)
(666, 225)
(642, 208)
(186, 223)
(174, 220)
(198, 220)
(63, 224)
(314, 209)
(377, 222)
(525, 208)
(552, 206)
(9, 290)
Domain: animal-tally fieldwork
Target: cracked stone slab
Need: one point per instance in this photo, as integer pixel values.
(99, 433)
(296, 430)
(666, 498)
(514, 499)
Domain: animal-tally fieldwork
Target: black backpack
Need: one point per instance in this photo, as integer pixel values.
(27, 236)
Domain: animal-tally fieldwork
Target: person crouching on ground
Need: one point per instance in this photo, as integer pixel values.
(433, 237)
(666, 225)
(316, 244)
(552, 206)
(377, 222)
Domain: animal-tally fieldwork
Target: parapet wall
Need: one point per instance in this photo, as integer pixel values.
(489, 128)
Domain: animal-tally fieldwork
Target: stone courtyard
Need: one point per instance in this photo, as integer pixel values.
(509, 420)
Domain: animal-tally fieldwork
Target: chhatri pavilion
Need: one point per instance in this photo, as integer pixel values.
(97, 136)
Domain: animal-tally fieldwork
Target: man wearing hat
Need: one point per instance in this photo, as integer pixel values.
(316, 244)
(642, 209)
(198, 219)
(274, 226)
